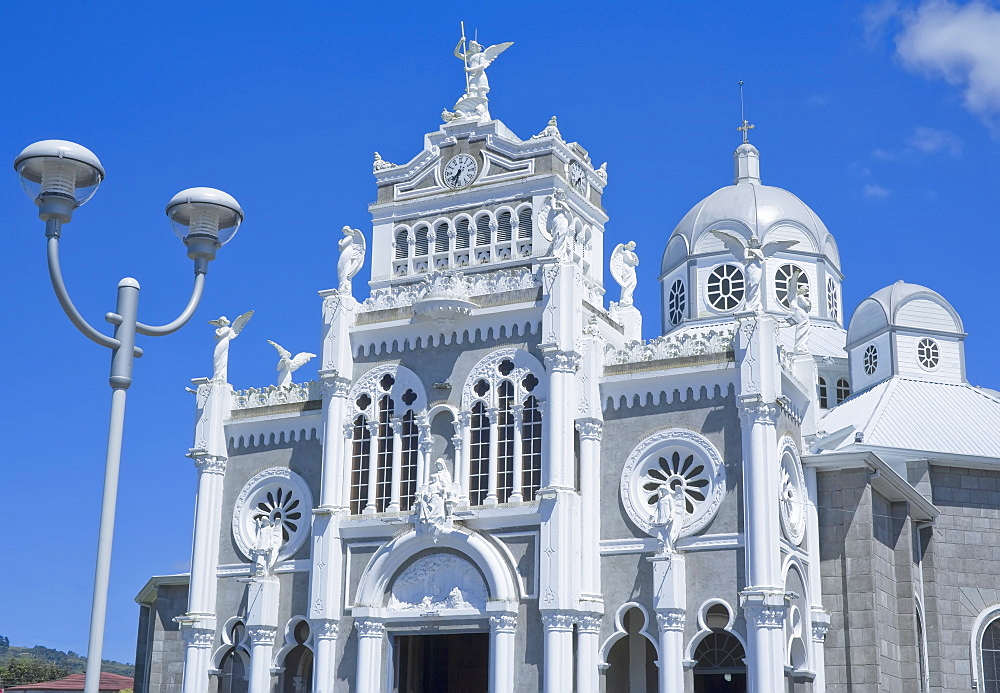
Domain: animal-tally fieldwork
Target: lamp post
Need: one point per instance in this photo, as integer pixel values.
(61, 176)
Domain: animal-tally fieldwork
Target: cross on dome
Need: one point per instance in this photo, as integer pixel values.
(747, 126)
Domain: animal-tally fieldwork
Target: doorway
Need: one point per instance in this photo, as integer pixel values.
(458, 663)
(721, 665)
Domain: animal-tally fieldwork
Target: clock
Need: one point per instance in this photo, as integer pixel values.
(578, 177)
(460, 171)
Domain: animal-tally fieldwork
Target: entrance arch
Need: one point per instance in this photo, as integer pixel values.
(720, 664)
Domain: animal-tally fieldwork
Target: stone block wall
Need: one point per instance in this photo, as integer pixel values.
(165, 665)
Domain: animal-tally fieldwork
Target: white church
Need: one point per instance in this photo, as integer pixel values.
(496, 485)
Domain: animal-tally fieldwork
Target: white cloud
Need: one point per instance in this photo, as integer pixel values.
(960, 43)
(883, 155)
(930, 141)
(874, 191)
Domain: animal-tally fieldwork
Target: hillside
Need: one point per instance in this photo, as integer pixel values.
(20, 665)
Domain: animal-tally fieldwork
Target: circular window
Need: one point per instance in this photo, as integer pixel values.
(928, 354)
(725, 287)
(871, 359)
(832, 299)
(676, 302)
(282, 497)
(781, 279)
(675, 458)
(793, 494)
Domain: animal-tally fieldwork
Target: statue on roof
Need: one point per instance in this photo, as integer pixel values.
(554, 222)
(477, 59)
(623, 264)
(752, 254)
(225, 333)
(801, 305)
(352, 257)
(288, 364)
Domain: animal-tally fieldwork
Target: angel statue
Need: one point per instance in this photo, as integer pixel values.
(288, 364)
(224, 334)
(668, 518)
(473, 103)
(554, 222)
(752, 255)
(801, 305)
(352, 256)
(623, 264)
(267, 543)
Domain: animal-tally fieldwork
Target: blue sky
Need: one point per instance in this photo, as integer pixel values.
(884, 118)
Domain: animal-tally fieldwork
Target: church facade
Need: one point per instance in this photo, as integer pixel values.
(496, 485)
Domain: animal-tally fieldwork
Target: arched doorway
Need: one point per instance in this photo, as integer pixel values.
(719, 664)
(632, 660)
(298, 674)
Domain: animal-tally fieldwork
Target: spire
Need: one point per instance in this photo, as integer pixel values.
(746, 158)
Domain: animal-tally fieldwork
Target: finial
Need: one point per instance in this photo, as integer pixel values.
(746, 127)
(381, 164)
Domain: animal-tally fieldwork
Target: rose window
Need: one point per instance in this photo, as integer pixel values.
(792, 498)
(927, 353)
(725, 287)
(673, 471)
(281, 496)
(870, 359)
(781, 279)
(676, 302)
(674, 458)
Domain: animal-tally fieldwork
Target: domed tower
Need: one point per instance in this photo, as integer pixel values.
(703, 283)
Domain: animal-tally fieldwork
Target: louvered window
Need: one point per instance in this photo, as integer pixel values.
(462, 234)
(441, 238)
(420, 246)
(483, 230)
(503, 227)
(524, 222)
(402, 246)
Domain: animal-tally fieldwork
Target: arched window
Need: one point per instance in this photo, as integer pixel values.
(233, 665)
(505, 430)
(524, 222)
(991, 657)
(420, 242)
(461, 234)
(402, 244)
(719, 663)
(483, 230)
(441, 237)
(824, 400)
(298, 661)
(503, 227)
(843, 389)
(385, 441)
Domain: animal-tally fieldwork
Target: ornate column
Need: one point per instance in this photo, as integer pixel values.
(491, 481)
(819, 628)
(463, 456)
(516, 496)
(670, 605)
(261, 647)
(558, 470)
(558, 667)
(819, 618)
(324, 634)
(588, 645)
(426, 446)
(336, 439)
(375, 452)
(210, 456)
(369, 670)
(591, 431)
(502, 663)
(397, 464)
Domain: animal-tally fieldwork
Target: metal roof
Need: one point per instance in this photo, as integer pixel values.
(907, 414)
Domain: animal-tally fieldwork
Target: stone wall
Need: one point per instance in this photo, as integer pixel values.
(166, 646)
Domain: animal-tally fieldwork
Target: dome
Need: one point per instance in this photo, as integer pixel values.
(749, 208)
(909, 306)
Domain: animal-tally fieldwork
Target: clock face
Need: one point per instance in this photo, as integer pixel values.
(460, 171)
(577, 177)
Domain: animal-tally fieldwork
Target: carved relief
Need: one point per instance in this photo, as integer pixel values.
(254, 397)
(691, 343)
(792, 498)
(438, 582)
(451, 283)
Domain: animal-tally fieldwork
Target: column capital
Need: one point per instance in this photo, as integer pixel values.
(590, 429)
(756, 411)
(324, 628)
(819, 630)
(561, 361)
(560, 621)
(333, 385)
(262, 635)
(589, 624)
(503, 623)
(671, 619)
(397, 425)
(494, 414)
(370, 629)
(465, 418)
(209, 464)
(195, 636)
(373, 429)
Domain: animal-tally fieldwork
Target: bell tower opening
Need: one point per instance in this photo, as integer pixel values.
(454, 663)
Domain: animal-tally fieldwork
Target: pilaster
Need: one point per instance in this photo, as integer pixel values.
(261, 649)
(670, 606)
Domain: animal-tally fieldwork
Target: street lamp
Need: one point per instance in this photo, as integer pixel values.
(61, 176)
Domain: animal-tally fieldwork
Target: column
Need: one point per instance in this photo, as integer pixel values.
(397, 465)
(198, 644)
(502, 663)
(336, 441)
(491, 482)
(557, 672)
(426, 447)
(261, 646)
(588, 644)
(591, 431)
(324, 634)
(369, 670)
(463, 453)
(670, 606)
(819, 618)
(374, 452)
(558, 431)
(516, 495)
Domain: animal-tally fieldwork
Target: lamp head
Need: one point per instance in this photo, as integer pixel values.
(59, 176)
(205, 219)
